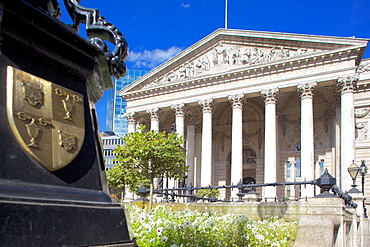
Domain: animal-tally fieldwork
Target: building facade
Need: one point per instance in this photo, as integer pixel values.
(110, 142)
(271, 106)
(116, 106)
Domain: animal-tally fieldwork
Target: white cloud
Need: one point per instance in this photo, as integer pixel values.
(151, 59)
(185, 5)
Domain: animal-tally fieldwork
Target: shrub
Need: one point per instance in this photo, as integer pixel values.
(207, 193)
(166, 227)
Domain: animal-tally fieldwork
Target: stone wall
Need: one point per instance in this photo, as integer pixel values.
(321, 221)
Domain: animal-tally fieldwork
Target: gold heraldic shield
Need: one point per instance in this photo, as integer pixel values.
(46, 118)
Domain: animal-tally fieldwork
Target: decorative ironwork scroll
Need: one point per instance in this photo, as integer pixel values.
(98, 30)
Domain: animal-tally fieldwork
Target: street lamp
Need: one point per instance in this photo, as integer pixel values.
(363, 172)
(353, 170)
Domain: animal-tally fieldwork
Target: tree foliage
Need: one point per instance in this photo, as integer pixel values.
(146, 155)
(119, 179)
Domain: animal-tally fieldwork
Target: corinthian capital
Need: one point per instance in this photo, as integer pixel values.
(191, 119)
(237, 100)
(155, 113)
(131, 117)
(306, 90)
(347, 84)
(206, 105)
(270, 95)
(179, 109)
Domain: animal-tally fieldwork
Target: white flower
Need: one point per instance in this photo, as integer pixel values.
(187, 223)
(147, 227)
(164, 239)
(212, 223)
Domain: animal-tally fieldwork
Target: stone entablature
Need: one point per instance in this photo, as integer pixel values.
(251, 82)
(296, 67)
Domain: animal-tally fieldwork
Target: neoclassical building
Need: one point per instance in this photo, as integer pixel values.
(271, 106)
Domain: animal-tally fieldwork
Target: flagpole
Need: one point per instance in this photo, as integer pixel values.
(226, 14)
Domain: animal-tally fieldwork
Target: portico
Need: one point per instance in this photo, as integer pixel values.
(257, 104)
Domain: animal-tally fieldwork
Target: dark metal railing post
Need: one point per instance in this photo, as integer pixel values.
(240, 189)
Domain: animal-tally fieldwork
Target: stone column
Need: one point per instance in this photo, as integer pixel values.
(155, 114)
(206, 162)
(307, 136)
(270, 97)
(236, 141)
(131, 119)
(347, 86)
(190, 147)
(180, 118)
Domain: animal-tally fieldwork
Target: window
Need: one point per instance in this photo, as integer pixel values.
(288, 191)
(298, 167)
(322, 166)
(288, 166)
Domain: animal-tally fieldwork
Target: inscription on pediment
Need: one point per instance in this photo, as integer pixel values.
(225, 56)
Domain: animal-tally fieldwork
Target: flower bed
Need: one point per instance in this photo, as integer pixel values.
(165, 227)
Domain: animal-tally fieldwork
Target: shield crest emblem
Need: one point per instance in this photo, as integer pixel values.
(46, 119)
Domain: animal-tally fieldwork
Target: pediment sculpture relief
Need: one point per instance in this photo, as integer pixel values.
(224, 56)
(363, 67)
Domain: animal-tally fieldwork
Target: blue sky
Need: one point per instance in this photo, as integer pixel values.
(158, 30)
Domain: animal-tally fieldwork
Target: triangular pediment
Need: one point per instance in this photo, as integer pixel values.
(227, 50)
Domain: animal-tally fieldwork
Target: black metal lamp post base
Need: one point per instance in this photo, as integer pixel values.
(52, 182)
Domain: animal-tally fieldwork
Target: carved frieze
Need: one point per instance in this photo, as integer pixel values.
(361, 113)
(224, 56)
(361, 130)
(363, 67)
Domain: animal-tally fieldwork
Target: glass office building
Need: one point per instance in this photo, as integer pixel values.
(116, 106)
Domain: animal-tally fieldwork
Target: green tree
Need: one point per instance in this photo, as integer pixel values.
(118, 179)
(147, 155)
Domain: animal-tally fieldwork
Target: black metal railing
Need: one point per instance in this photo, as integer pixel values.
(326, 182)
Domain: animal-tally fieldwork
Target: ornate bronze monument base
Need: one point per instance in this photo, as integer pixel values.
(52, 182)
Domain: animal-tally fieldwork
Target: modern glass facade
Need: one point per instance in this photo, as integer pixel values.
(116, 106)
